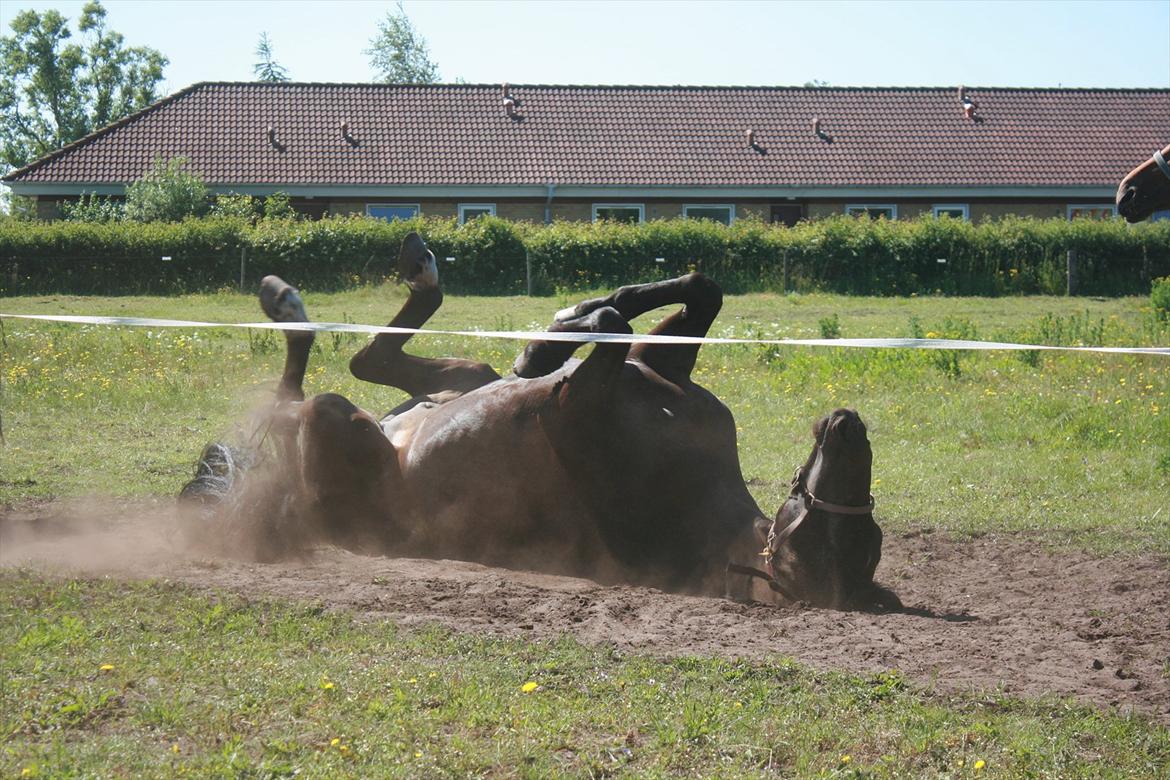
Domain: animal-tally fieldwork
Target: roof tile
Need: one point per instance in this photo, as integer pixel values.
(636, 136)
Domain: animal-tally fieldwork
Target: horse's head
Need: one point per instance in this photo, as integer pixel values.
(841, 463)
(824, 545)
(1146, 188)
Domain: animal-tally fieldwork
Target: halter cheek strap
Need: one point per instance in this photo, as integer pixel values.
(1161, 161)
(811, 502)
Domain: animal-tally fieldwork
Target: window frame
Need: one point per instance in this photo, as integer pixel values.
(893, 208)
(963, 207)
(729, 206)
(490, 208)
(417, 210)
(641, 208)
(1069, 208)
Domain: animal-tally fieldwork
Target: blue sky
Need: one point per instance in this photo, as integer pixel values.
(998, 43)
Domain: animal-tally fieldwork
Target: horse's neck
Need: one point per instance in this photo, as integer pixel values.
(828, 484)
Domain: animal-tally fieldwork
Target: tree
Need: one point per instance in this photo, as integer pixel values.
(53, 91)
(167, 193)
(268, 69)
(399, 54)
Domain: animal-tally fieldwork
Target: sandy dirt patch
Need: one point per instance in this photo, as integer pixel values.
(987, 614)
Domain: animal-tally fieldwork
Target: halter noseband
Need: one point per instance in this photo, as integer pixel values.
(1161, 161)
(811, 502)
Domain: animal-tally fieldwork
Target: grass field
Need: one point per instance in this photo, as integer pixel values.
(1070, 450)
(1074, 446)
(107, 679)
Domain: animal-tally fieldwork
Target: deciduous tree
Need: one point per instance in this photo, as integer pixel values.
(167, 193)
(399, 54)
(54, 91)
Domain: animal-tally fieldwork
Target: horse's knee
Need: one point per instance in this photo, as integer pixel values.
(361, 365)
(703, 292)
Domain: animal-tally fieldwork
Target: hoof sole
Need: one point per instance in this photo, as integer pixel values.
(281, 301)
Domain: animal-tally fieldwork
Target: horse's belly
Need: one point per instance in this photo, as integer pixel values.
(491, 489)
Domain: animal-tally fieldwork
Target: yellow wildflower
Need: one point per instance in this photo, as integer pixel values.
(529, 687)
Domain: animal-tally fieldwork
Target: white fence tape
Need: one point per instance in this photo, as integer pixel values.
(347, 327)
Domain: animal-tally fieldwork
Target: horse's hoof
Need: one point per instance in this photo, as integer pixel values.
(581, 309)
(281, 301)
(416, 263)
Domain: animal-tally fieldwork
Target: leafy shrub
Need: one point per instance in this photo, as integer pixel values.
(119, 257)
(235, 206)
(1160, 298)
(948, 361)
(830, 327)
(166, 193)
(492, 256)
(91, 207)
(278, 206)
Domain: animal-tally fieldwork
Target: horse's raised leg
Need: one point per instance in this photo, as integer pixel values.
(383, 362)
(701, 298)
(345, 468)
(282, 303)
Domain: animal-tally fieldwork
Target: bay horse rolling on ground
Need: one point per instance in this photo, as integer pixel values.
(617, 467)
(1146, 188)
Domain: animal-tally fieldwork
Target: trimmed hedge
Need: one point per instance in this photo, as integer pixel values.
(845, 255)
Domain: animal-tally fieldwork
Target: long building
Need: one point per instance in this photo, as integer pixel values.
(542, 153)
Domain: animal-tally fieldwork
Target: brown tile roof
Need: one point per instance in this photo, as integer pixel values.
(634, 136)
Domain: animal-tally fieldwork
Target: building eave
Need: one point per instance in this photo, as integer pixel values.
(569, 191)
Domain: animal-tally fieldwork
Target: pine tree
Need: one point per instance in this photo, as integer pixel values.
(268, 69)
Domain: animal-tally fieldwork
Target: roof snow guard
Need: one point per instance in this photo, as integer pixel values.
(593, 136)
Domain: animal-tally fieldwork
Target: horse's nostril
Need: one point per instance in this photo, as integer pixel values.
(1130, 194)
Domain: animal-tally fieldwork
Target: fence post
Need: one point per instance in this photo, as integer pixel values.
(243, 264)
(1071, 287)
(528, 271)
(785, 270)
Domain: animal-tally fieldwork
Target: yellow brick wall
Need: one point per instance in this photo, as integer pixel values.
(977, 211)
(982, 211)
(48, 208)
(521, 211)
(582, 210)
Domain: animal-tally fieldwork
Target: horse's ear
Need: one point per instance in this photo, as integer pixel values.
(819, 428)
(763, 527)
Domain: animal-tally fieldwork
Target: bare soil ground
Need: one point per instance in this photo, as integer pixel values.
(990, 614)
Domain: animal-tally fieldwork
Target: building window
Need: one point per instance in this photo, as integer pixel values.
(719, 212)
(872, 210)
(392, 211)
(632, 213)
(952, 210)
(1092, 211)
(470, 211)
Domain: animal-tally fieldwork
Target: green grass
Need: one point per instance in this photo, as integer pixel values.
(1074, 448)
(101, 678)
